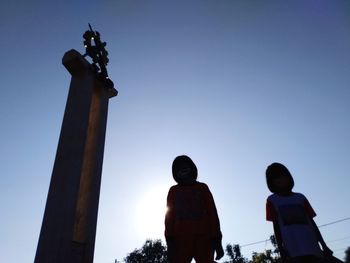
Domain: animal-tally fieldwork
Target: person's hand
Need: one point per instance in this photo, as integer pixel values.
(283, 253)
(170, 242)
(219, 252)
(218, 249)
(327, 252)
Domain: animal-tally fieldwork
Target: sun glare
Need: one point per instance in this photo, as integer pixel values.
(150, 211)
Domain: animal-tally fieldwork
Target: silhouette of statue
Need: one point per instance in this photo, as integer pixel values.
(95, 49)
(296, 232)
(192, 227)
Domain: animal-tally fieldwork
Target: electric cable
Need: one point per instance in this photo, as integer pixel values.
(334, 222)
(327, 224)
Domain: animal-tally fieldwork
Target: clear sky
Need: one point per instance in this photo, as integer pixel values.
(234, 84)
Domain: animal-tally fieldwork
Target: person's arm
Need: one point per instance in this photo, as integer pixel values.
(213, 214)
(271, 215)
(170, 215)
(326, 250)
(310, 211)
(169, 224)
(277, 232)
(215, 224)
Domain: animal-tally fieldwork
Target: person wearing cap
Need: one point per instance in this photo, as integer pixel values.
(192, 226)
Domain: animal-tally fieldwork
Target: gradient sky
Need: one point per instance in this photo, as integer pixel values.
(234, 84)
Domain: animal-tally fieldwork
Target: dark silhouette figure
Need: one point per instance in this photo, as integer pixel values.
(192, 227)
(296, 232)
(95, 49)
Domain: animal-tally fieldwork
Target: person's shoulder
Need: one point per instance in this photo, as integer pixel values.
(173, 188)
(272, 197)
(299, 195)
(201, 185)
(278, 198)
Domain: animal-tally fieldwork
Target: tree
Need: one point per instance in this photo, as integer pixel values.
(268, 256)
(235, 255)
(152, 251)
(347, 255)
(264, 257)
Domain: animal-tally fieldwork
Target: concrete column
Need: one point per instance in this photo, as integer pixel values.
(69, 225)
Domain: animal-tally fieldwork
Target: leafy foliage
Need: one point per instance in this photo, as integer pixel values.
(152, 251)
(234, 254)
(268, 256)
(265, 257)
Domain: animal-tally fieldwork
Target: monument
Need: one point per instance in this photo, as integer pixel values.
(69, 225)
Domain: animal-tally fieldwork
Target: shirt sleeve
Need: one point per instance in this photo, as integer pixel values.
(213, 214)
(271, 214)
(170, 214)
(309, 210)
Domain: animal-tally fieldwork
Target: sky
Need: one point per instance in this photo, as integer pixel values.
(234, 84)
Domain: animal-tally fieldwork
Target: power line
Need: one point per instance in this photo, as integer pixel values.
(327, 224)
(334, 222)
(338, 239)
(254, 243)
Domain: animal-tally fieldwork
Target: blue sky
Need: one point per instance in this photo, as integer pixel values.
(234, 84)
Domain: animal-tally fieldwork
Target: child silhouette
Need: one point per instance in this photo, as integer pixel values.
(296, 232)
(192, 228)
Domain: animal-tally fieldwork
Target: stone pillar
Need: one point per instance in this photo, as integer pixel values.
(69, 225)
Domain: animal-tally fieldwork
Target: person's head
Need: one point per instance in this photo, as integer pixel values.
(279, 180)
(184, 170)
